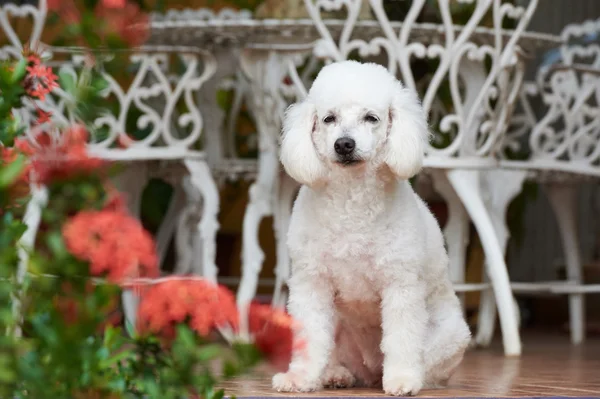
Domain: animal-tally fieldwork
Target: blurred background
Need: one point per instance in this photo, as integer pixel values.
(534, 249)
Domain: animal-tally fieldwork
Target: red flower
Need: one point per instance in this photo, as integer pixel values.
(66, 9)
(59, 159)
(43, 117)
(40, 80)
(114, 3)
(33, 59)
(115, 202)
(204, 305)
(273, 332)
(127, 22)
(114, 243)
(54, 5)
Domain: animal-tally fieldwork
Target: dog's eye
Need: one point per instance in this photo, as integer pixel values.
(329, 119)
(371, 118)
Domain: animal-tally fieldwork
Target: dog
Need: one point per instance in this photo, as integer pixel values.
(369, 283)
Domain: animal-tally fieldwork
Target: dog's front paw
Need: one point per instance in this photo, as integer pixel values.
(402, 383)
(337, 377)
(293, 382)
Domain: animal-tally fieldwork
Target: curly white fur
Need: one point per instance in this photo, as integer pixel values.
(369, 283)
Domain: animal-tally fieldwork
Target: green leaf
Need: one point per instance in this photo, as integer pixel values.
(185, 336)
(247, 354)
(56, 244)
(130, 328)
(126, 354)
(99, 84)
(220, 394)
(230, 369)
(19, 71)
(67, 82)
(208, 352)
(10, 172)
(7, 375)
(119, 385)
(111, 335)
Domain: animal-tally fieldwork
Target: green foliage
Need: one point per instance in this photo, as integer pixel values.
(68, 349)
(10, 77)
(11, 229)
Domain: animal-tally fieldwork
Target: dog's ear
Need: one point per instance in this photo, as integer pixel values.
(298, 154)
(408, 134)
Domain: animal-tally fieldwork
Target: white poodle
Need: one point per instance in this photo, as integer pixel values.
(369, 284)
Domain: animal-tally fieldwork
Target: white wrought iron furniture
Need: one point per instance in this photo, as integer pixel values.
(477, 64)
(169, 115)
(560, 134)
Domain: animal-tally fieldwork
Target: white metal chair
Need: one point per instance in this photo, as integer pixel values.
(168, 115)
(563, 147)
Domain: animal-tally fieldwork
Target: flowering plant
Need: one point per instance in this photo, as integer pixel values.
(62, 334)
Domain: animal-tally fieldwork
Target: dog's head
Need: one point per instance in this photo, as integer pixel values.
(355, 116)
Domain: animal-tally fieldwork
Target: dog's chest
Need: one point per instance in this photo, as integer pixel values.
(352, 278)
(348, 257)
(352, 288)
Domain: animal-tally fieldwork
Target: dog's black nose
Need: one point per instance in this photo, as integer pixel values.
(344, 146)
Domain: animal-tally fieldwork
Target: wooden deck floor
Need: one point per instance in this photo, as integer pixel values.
(549, 367)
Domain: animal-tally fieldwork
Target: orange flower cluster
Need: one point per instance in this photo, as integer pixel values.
(114, 243)
(59, 159)
(273, 332)
(204, 305)
(40, 80)
(120, 18)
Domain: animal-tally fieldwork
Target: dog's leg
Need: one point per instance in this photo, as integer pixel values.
(336, 375)
(404, 322)
(447, 339)
(311, 304)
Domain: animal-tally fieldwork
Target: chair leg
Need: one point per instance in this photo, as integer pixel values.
(202, 179)
(467, 186)
(260, 204)
(130, 305)
(502, 186)
(168, 226)
(188, 243)
(456, 230)
(283, 213)
(132, 182)
(32, 219)
(563, 199)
